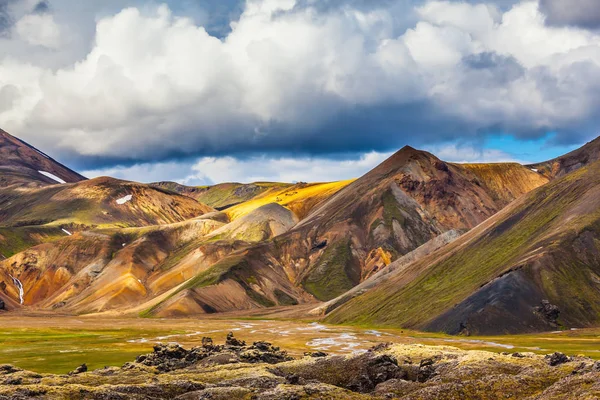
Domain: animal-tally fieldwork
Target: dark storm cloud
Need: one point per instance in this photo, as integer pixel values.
(41, 7)
(582, 13)
(5, 18)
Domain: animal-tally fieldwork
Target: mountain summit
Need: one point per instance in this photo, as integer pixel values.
(23, 164)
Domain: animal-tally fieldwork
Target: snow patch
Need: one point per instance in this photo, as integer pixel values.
(67, 232)
(52, 176)
(125, 199)
(534, 170)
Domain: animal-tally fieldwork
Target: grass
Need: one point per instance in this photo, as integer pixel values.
(16, 240)
(59, 345)
(295, 198)
(227, 194)
(334, 274)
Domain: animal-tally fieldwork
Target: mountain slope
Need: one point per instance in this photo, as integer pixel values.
(570, 162)
(24, 165)
(223, 195)
(403, 203)
(96, 202)
(497, 278)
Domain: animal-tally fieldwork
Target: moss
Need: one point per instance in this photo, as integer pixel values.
(335, 273)
(17, 239)
(284, 299)
(391, 210)
(259, 298)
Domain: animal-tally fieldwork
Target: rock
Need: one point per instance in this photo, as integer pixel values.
(79, 370)
(172, 356)
(13, 381)
(556, 359)
(264, 352)
(359, 374)
(316, 354)
(7, 369)
(549, 312)
(2, 305)
(319, 246)
(232, 341)
(426, 369)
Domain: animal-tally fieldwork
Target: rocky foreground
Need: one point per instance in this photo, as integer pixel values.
(261, 371)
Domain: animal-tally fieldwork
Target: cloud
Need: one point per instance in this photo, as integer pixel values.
(583, 13)
(294, 79)
(39, 29)
(41, 7)
(5, 18)
(211, 170)
(470, 154)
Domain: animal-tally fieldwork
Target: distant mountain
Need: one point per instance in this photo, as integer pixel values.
(570, 162)
(223, 195)
(22, 164)
(534, 266)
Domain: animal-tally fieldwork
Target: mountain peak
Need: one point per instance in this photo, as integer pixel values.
(23, 164)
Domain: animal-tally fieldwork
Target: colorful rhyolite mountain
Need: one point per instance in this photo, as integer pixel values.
(383, 249)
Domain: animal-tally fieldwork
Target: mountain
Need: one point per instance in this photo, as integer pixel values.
(106, 245)
(24, 165)
(99, 202)
(534, 266)
(570, 162)
(400, 205)
(223, 195)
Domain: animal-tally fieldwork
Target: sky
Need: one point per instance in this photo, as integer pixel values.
(207, 91)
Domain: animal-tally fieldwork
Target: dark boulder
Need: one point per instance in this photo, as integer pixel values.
(548, 312)
(79, 370)
(557, 359)
(316, 354)
(232, 341)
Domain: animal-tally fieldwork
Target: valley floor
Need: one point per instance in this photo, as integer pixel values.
(55, 344)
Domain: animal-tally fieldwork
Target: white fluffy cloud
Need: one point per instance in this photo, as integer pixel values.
(155, 85)
(39, 30)
(211, 170)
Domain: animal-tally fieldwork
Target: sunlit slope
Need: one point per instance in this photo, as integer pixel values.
(300, 198)
(544, 246)
(506, 181)
(99, 202)
(224, 195)
(113, 268)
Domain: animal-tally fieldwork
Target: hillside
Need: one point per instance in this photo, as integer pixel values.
(99, 202)
(300, 198)
(532, 267)
(561, 166)
(24, 165)
(403, 203)
(224, 195)
(107, 245)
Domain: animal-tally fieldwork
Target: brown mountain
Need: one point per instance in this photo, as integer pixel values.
(22, 164)
(570, 162)
(532, 267)
(146, 249)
